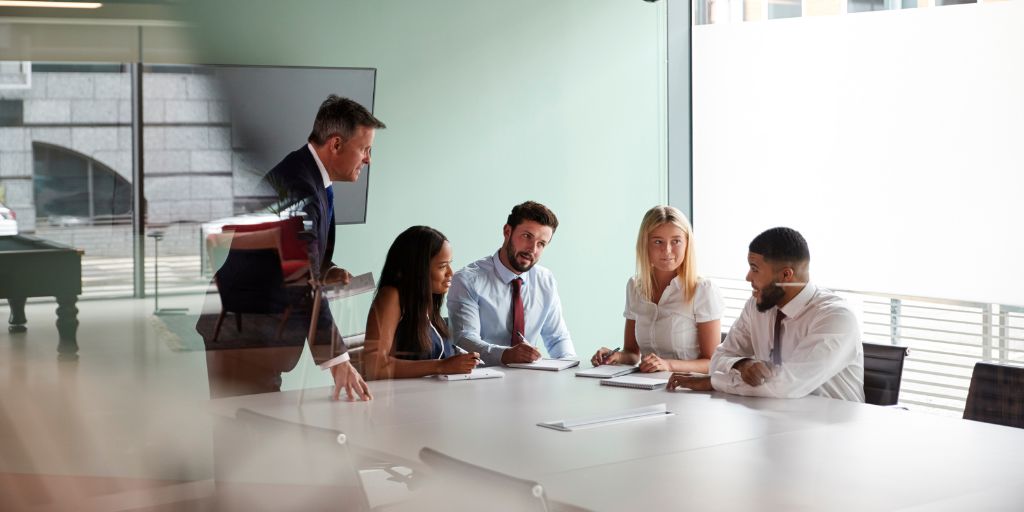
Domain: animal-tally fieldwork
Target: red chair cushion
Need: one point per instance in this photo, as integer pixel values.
(292, 248)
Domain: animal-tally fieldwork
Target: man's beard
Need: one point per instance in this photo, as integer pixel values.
(510, 255)
(770, 297)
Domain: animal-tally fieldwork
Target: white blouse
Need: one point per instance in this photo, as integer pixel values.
(669, 328)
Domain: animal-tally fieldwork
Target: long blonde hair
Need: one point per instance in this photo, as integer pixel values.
(687, 270)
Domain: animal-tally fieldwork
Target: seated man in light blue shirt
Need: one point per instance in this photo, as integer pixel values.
(502, 305)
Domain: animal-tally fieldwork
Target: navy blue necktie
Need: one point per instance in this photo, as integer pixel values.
(330, 202)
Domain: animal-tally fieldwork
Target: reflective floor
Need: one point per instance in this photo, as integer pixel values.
(123, 428)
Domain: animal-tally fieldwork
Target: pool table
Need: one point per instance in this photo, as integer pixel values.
(33, 267)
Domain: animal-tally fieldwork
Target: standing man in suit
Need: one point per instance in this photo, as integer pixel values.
(337, 149)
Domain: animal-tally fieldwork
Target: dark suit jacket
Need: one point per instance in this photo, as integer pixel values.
(297, 180)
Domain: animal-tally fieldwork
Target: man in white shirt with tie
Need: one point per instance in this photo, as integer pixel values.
(502, 306)
(792, 339)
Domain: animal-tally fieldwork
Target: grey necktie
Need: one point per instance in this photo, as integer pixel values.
(777, 335)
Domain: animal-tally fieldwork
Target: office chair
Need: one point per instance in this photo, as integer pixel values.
(883, 372)
(996, 395)
(263, 463)
(251, 282)
(453, 477)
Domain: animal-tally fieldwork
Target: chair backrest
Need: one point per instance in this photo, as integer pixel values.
(251, 281)
(996, 395)
(455, 479)
(264, 463)
(883, 372)
(292, 247)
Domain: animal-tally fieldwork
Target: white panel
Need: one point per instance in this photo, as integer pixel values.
(891, 140)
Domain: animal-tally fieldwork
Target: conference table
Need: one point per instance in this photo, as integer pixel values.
(715, 452)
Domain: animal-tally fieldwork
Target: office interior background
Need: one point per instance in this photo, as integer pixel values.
(886, 131)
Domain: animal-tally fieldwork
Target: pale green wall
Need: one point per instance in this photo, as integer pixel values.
(489, 103)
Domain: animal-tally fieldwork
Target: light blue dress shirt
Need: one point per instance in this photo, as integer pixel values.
(480, 310)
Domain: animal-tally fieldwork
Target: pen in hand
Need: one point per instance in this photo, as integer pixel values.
(476, 356)
(608, 355)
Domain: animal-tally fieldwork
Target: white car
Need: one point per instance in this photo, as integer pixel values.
(8, 222)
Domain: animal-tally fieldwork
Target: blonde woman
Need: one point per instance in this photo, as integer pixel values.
(673, 317)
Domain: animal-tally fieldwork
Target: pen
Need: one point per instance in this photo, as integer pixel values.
(521, 337)
(464, 351)
(604, 358)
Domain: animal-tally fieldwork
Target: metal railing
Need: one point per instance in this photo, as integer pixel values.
(946, 338)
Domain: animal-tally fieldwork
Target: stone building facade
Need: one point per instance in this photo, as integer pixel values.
(194, 169)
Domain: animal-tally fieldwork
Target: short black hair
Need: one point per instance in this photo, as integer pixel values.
(340, 116)
(781, 244)
(532, 210)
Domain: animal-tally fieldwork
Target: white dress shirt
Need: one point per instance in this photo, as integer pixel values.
(669, 328)
(480, 305)
(327, 182)
(820, 344)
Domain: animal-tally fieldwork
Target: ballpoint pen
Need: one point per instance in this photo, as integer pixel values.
(604, 358)
(461, 350)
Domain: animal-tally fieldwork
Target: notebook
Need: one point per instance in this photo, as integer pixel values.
(477, 373)
(552, 365)
(637, 382)
(607, 371)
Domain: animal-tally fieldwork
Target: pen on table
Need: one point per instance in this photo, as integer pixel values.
(604, 358)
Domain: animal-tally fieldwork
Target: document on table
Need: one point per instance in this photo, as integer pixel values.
(650, 381)
(607, 371)
(477, 373)
(651, 411)
(551, 365)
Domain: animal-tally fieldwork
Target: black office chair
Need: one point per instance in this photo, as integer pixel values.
(883, 372)
(251, 281)
(996, 395)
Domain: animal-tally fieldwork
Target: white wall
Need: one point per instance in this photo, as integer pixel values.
(891, 140)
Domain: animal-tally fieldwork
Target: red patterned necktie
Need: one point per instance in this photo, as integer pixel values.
(518, 321)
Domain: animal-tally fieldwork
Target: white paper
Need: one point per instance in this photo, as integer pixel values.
(547, 364)
(606, 371)
(477, 373)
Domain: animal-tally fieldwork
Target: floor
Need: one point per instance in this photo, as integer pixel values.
(123, 428)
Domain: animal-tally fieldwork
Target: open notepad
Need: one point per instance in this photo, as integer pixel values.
(651, 411)
(638, 382)
(552, 365)
(477, 373)
(607, 371)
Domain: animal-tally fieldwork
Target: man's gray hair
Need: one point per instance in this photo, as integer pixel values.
(340, 116)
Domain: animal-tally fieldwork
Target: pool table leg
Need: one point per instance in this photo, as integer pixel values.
(17, 318)
(67, 327)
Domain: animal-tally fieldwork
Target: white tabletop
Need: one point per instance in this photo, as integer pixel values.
(716, 452)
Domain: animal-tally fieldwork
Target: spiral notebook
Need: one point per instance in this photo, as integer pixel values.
(607, 371)
(477, 373)
(551, 365)
(637, 382)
